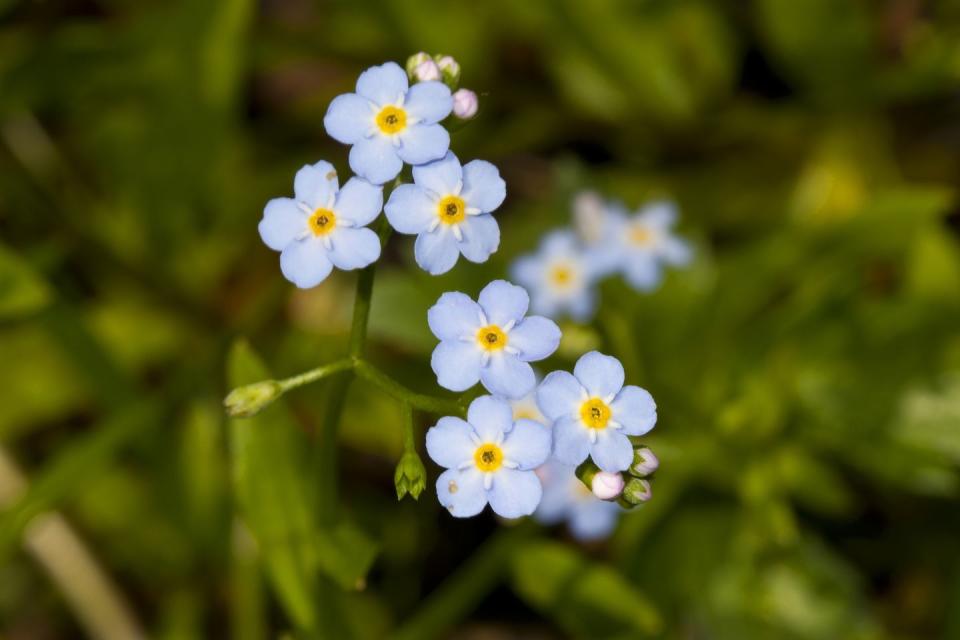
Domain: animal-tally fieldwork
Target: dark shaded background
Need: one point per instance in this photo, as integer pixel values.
(807, 365)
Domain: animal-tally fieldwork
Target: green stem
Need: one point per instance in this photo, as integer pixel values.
(409, 439)
(315, 374)
(431, 404)
(361, 303)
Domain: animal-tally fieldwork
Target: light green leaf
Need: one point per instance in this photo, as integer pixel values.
(346, 555)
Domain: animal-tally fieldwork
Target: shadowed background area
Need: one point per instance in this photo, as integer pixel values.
(806, 365)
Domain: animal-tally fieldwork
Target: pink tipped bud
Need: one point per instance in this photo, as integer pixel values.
(426, 70)
(465, 104)
(644, 463)
(606, 485)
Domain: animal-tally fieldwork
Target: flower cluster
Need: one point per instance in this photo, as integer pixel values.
(605, 239)
(389, 123)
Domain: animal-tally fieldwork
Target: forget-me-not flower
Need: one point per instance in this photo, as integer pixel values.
(593, 412)
(566, 498)
(491, 341)
(559, 277)
(647, 242)
(389, 122)
(526, 408)
(489, 459)
(448, 208)
(598, 224)
(322, 226)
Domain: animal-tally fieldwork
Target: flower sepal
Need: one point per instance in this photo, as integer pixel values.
(251, 399)
(410, 476)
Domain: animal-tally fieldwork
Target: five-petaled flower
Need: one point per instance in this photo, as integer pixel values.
(647, 242)
(322, 226)
(491, 340)
(566, 498)
(448, 208)
(489, 459)
(593, 413)
(559, 277)
(389, 122)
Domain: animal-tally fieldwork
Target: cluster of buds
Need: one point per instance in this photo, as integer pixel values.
(630, 488)
(422, 67)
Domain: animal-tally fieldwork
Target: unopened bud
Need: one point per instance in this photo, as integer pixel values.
(244, 402)
(410, 476)
(606, 485)
(426, 71)
(465, 104)
(450, 69)
(644, 462)
(636, 491)
(415, 61)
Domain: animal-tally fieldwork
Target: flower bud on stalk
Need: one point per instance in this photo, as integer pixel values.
(247, 401)
(450, 69)
(465, 104)
(410, 476)
(415, 61)
(635, 492)
(426, 71)
(606, 485)
(644, 462)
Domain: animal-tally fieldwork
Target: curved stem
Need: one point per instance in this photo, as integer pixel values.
(419, 401)
(315, 374)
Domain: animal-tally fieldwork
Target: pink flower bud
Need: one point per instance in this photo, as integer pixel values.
(426, 70)
(464, 104)
(606, 485)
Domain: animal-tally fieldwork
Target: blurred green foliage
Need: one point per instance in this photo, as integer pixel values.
(807, 366)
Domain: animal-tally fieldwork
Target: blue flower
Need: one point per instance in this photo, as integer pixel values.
(566, 498)
(598, 224)
(389, 122)
(491, 342)
(559, 277)
(593, 413)
(525, 408)
(646, 243)
(489, 459)
(322, 226)
(448, 208)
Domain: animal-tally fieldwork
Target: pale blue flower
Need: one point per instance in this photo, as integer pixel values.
(598, 224)
(593, 413)
(526, 408)
(389, 122)
(491, 341)
(489, 459)
(559, 277)
(448, 208)
(322, 226)
(566, 498)
(647, 243)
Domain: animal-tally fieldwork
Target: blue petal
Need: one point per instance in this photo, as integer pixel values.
(582, 306)
(555, 503)
(354, 248)
(514, 493)
(641, 270)
(535, 337)
(560, 395)
(305, 263)
(490, 417)
(483, 187)
(436, 251)
(462, 492)
(528, 444)
(675, 251)
(600, 374)
(429, 102)
(635, 409)
(443, 176)
(545, 305)
(349, 118)
(560, 243)
(612, 451)
(314, 185)
(410, 209)
(375, 159)
(481, 237)
(660, 215)
(593, 519)
(571, 442)
(359, 201)
(528, 271)
(449, 442)
(504, 302)
(507, 376)
(282, 222)
(457, 364)
(383, 85)
(454, 315)
(422, 143)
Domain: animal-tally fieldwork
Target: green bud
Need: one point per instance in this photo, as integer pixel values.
(644, 462)
(415, 61)
(410, 476)
(247, 401)
(635, 492)
(449, 69)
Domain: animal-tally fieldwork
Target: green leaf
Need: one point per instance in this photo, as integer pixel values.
(22, 291)
(587, 599)
(346, 555)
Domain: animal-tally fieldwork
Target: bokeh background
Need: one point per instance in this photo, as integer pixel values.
(806, 365)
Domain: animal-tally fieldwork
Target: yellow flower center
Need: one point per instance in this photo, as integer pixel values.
(561, 275)
(595, 413)
(488, 457)
(392, 120)
(640, 235)
(322, 222)
(451, 210)
(491, 338)
(524, 413)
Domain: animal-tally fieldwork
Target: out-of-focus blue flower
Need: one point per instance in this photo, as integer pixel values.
(491, 340)
(559, 277)
(448, 208)
(526, 408)
(489, 459)
(593, 413)
(565, 498)
(389, 122)
(646, 243)
(598, 224)
(322, 226)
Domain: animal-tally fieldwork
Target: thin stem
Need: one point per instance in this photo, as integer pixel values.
(409, 439)
(361, 304)
(315, 374)
(431, 404)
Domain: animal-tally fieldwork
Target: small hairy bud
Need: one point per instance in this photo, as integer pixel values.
(414, 61)
(450, 69)
(247, 401)
(426, 71)
(644, 462)
(410, 476)
(636, 491)
(606, 485)
(465, 104)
